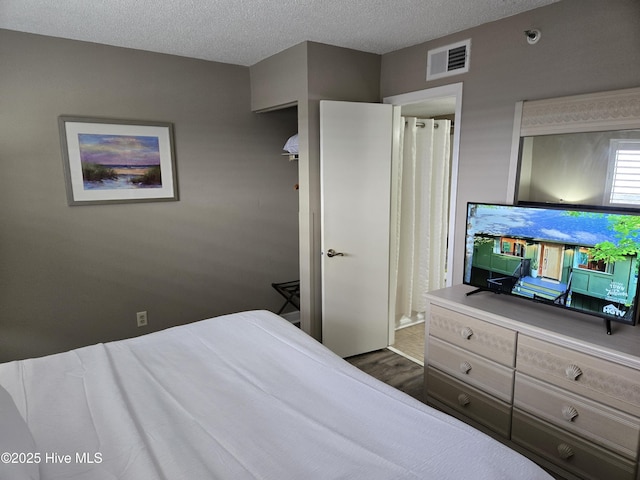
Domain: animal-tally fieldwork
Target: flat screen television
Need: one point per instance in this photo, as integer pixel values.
(578, 258)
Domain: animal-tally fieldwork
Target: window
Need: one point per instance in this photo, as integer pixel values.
(623, 176)
(584, 260)
(512, 246)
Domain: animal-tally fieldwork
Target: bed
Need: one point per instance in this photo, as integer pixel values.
(241, 396)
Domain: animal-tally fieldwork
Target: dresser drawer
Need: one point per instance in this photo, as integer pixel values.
(603, 381)
(491, 341)
(596, 422)
(568, 451)
(491, 377)
(469, 401)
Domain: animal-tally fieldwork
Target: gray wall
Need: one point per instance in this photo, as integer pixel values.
(586, 46)
(71, 276)
(280, 80)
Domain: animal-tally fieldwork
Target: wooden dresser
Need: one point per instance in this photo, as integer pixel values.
(549, 383)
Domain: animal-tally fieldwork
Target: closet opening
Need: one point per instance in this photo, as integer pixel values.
(284, 158)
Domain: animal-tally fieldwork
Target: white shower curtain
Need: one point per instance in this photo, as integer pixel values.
(422, 215)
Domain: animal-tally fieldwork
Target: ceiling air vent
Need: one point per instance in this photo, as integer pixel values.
(449, 60)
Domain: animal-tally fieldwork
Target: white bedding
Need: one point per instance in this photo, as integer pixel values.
(243, 396)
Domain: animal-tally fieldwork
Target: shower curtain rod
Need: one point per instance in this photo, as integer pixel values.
(422, 125)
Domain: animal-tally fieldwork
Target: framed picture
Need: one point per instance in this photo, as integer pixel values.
(117, 161)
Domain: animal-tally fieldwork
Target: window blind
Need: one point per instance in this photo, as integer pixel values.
(625, 181)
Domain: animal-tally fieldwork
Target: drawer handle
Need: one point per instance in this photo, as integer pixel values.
(565, 451)
(466, 333)
(465, 367)
(569, 412)
(464, 400)
(573, 372)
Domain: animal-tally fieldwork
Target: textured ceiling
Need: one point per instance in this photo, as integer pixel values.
(244, 32)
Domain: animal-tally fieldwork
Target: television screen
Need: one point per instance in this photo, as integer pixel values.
(582, 258)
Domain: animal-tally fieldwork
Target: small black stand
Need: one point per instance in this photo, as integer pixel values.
(291, 292)
(607, 325)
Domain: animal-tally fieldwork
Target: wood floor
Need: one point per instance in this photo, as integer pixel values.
(405, 374)
(393, 369)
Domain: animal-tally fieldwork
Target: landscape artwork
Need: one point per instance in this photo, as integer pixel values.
(117, 161)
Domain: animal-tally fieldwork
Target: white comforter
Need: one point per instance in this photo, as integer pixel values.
(243, 396)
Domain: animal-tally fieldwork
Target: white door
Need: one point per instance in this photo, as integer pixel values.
(355, 163)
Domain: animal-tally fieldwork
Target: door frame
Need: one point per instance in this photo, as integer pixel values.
(309, 179)
(424, 96)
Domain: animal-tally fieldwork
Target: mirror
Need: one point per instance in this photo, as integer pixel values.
(582, 149)
(591, 168)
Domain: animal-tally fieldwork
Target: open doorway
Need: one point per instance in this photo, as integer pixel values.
(413, 273)
(283, 157)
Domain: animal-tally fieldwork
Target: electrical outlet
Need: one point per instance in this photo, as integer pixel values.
(141, 318)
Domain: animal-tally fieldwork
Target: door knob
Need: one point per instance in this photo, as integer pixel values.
(332, 253)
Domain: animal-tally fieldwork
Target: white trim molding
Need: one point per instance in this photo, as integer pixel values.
(613, 110)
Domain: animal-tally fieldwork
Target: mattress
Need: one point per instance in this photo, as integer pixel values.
(242, 396)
